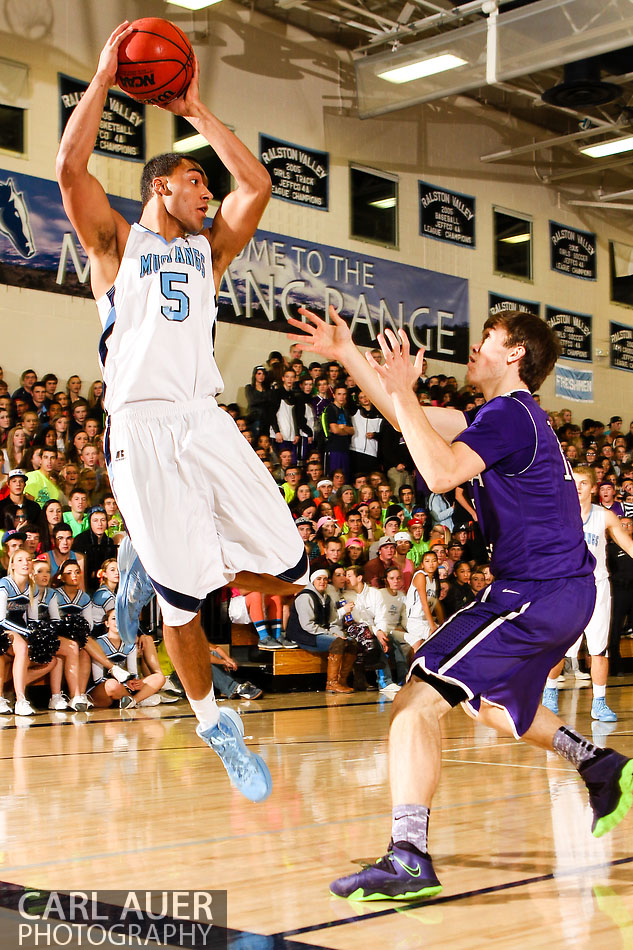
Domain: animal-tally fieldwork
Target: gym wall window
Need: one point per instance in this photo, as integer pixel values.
(12, 129)
(512, 236)
(374, 206)
(217, 173)
(621, 267)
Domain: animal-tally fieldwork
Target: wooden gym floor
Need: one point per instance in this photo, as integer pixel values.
(122, 801)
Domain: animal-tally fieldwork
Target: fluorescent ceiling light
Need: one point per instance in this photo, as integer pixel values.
(191, 143)
(614, 147)
(193, 4)
(383, 203)
(517, 238)
(421, 68)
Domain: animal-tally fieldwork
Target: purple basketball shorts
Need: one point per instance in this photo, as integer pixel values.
(500, 647)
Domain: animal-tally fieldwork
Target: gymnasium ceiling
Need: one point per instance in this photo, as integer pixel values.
(363, 29)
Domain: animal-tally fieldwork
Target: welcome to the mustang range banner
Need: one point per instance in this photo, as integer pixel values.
(272, 277)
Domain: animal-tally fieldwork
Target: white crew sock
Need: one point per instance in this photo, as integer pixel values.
(206, 710)
(551, 684)
(599, 692)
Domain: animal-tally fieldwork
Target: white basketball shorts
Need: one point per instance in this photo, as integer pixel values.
(597, 630)
(198, 503)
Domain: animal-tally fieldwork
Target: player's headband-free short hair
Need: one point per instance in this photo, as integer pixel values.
(163, 165)
(542, 346)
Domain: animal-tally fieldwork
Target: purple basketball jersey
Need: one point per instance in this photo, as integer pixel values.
(526, 499)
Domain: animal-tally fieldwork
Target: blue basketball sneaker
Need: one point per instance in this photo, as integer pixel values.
(403, 874)
(550, 699)
(135, 591)
(609, 780)
(602, 712)
(248, 772)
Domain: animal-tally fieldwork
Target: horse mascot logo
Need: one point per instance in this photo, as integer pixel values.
(14, 219)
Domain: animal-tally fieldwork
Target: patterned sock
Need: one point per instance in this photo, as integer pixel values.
(261, 628)
(275, 629)
(410, 823)
(599, 692)
(573, 747)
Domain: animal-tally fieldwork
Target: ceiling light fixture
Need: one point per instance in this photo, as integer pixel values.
(422, 68)
(383, 203)
(190, 144)
(614, 147)
(517, 238)
(193, 4)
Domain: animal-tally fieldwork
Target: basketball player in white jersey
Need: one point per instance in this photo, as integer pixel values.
(179, 466)
(598, 522)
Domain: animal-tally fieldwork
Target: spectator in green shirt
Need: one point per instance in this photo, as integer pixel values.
(76, 518)
(39, 485)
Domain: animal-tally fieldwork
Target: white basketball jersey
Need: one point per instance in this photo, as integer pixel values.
(158, 323)
(594, 529)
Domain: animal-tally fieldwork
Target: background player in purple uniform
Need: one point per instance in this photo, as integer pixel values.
(494, 654)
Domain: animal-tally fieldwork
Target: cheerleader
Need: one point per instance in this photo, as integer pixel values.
(423, 602)
(72, 604)
(18, 607)
(135, 691)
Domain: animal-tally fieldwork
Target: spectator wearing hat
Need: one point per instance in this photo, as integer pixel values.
(313, 625)
(377, 567)
(339, 430)
(258, 400)
(354, 552)
(366, 422)
(391, 527)
(615, 426)
(403, 546)
(324, 490)
(16, 499)
(419, 546)
(326, 528)
(345, 502)
(95, 545)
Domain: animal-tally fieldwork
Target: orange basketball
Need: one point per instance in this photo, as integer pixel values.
(155, 61)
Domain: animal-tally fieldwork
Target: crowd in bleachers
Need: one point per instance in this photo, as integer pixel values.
(389, 560)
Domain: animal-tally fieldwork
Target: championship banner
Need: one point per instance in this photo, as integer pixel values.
(272, 277)
(122, 127)
(621, 346)
(446, 215)
(497, 304)
(298, 174)
(576, 384)
(573, 331)
(572, 252)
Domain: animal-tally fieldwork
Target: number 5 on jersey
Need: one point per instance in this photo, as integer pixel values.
(179, 310)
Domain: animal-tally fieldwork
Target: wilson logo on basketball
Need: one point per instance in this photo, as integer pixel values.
(136, 82)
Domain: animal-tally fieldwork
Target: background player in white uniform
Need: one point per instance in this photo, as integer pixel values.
(176, 457)
(597, 523)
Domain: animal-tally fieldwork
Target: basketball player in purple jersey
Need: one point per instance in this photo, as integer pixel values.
(493, 655)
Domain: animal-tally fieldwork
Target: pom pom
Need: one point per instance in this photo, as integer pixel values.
(43, 641)
(5, 642)
(76, 628)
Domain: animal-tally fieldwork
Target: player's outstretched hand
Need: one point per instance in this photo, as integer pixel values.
(189, 102)
(109, 56)
(328, 339)
(399, 373)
